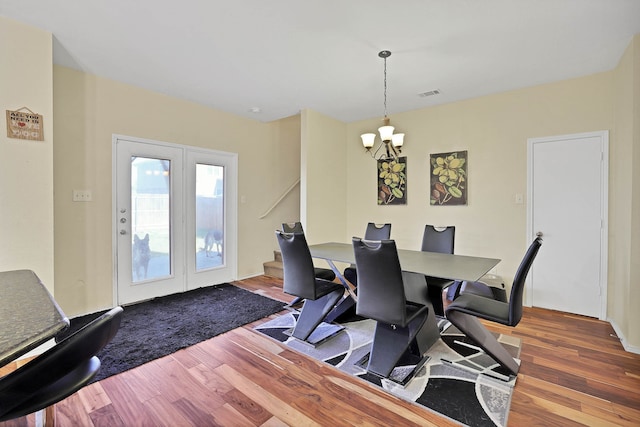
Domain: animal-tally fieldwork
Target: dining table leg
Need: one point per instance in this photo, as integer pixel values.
(348, 303)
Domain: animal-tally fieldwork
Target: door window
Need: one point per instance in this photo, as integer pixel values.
(150, 218)
(209, 216)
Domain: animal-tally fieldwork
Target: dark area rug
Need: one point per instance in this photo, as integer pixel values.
(458, 382)
(156, 328)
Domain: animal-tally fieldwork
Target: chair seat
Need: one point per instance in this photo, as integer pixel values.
(55, 392)
(324, 273)
(414, 310)
(58, 372)
(325, 287)
(484, 308)
(350, 273)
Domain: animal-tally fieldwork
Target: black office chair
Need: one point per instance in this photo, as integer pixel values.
(401, 337)
(441, 240)
(60, 371)
(465, 310)
(321, 273)
(320, 296)
(372, 232)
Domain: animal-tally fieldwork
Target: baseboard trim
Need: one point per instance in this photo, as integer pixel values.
(249, 276)
(623, 339)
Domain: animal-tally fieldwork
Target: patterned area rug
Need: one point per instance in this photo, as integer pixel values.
(458, 381)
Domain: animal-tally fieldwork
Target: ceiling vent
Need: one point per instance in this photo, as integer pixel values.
(429, 93)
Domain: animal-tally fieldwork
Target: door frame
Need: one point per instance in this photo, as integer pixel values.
(604, 210)
(230, 207)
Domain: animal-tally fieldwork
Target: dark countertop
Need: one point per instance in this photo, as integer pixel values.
(29, 315)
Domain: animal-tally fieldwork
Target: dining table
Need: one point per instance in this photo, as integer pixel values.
(416, 265)
(29, 316)
(434, 264)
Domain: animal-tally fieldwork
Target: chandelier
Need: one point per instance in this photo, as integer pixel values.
(391, 142)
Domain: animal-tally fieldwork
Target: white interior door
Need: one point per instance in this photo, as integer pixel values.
(174, 218)
(568, 204)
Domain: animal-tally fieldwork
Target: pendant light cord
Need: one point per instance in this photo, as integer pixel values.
(385, 87)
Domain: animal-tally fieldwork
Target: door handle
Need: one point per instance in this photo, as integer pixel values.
(123, 232)
(539, 234)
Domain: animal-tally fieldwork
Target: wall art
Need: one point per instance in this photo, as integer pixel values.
(24, 124)
(392, 181)
(449, 178)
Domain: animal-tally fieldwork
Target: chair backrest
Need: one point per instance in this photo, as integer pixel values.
(377, 231)
(299, 273)
(19, 386)
(292, 227)
(517, 289)
(438, 239)
(381, 293)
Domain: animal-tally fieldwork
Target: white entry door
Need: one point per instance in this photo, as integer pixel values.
(174, 218)
(567, 204)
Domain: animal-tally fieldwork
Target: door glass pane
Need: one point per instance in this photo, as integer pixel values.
(209, 216)
(150, 218)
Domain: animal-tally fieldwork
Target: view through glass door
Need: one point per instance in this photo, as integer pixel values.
(173, 219)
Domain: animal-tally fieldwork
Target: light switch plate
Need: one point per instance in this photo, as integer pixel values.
(82, 195)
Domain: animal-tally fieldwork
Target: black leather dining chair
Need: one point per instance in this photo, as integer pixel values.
(321, 273)
(372, 232)
(58, 372)
(441, 240)
(319, 295)
(465, 311)
(400, 335)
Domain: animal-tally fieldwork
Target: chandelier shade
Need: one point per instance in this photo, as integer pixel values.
(368, 140)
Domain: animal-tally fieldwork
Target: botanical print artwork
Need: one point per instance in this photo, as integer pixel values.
(392, 181)
(449, 178)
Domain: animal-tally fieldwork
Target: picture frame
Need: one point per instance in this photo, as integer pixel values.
(392, 181)
(449, 180)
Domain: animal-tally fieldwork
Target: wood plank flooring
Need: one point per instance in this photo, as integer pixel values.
(574, 372)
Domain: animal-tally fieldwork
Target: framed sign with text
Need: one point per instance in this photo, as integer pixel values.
(24, 124)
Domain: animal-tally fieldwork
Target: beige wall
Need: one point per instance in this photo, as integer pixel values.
(323, 190)
(339, 192)
(323, 179)
(89, 110)
(26, 167)
(624, 221)
(494, 130)
(632, 313)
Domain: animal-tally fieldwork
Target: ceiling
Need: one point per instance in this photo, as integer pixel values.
(281, 56)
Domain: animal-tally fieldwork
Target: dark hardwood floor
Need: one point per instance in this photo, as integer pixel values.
(574, 372)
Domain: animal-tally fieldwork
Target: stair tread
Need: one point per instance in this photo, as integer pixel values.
(273, 263)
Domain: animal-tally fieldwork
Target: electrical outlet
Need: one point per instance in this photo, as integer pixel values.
(82, 195)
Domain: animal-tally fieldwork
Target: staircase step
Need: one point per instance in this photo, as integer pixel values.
(277, 256)
(274, 269)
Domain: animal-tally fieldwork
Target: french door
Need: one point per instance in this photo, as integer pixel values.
(174, 218)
